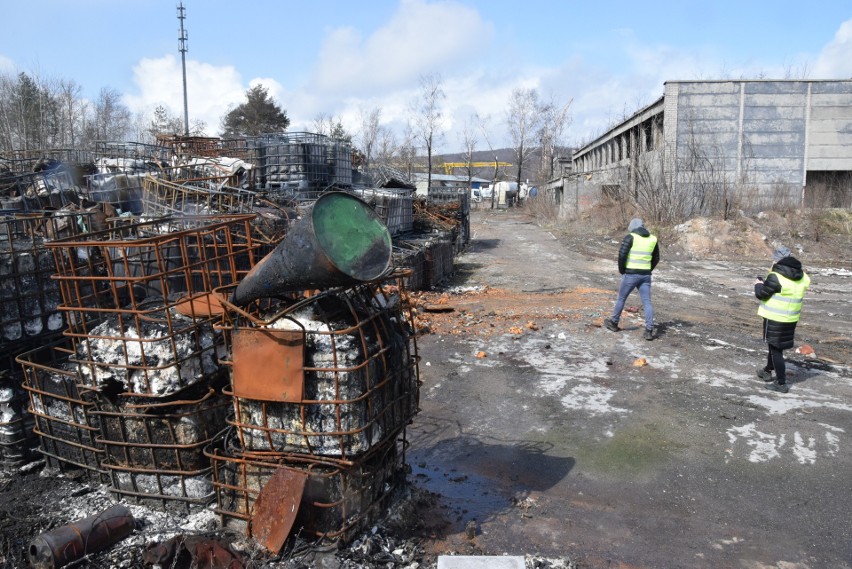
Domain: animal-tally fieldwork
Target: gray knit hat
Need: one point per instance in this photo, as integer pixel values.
(635, 224)
(780, 253)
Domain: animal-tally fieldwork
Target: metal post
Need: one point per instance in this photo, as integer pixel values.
(182, 48)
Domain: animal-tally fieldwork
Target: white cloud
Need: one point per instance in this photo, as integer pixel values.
(420, 38)
(210, 89)
(835, 60)
(6, 64)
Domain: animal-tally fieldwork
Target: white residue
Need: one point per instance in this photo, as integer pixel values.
(804, 450)
(671, 287)
(761, 446)
(593, 399)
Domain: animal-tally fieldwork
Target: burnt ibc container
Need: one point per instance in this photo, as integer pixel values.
(154, 447)
(131, 294)
(62, 412)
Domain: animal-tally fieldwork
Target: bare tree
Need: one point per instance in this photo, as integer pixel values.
(110, 119)
(555, 120)
(428, 116)
(469, 140)
(484, 126)
(72, 111)
(331, 126)
(369, 133)
(523, 118)
(407, 149)
(387, 147)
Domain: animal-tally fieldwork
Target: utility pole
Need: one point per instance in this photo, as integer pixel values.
(182, 48)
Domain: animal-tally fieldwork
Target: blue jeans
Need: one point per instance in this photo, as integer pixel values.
(628, 283)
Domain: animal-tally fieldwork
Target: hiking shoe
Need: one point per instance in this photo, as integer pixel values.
(649, 334)
(763, 374)
(610, 325)
(779, 387)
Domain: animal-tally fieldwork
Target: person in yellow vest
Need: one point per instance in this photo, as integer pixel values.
(780, 294)
(637, 258)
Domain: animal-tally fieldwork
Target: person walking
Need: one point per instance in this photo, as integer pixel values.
(781, 294)
(637, 257)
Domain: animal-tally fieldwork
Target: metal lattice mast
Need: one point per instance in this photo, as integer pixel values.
(183, 49)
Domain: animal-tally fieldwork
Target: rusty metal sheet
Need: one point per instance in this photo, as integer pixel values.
(205, 305)
(269, 365)
(276, 507)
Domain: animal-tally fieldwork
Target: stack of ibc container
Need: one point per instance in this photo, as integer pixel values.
(323, 387)
(142, 341)
(29, 313)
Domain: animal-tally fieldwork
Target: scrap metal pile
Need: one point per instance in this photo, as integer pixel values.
(201, 329)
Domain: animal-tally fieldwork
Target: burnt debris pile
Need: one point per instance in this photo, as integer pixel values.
(215, 324)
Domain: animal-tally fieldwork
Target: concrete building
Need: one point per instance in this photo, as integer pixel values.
(709, 146)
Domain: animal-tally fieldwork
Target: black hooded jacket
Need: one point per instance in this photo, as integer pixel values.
(779, 334)
(624, 251)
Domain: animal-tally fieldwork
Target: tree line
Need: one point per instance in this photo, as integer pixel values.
(38, 114)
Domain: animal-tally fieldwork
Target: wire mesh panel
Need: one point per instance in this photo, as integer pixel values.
(395, 207)
(35, 191)
(299, 166)
(161, 198)
(155, 450)
(66, 429)
(412, 260)
(133, 150)
(130, 293)
(29, 297)
(359, 370)
(122, 190)
(338, 501)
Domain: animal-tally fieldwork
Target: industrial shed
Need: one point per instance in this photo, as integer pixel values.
(711, 146)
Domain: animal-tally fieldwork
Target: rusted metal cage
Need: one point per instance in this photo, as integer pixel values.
(125, 149)
(131, 294)
(35, 191)
(413, 260)
(208, 172)
(338, 501)
(162, 197)
(155, 449)
(344, 379)
(62, 412)
(395, 207)
(22, 161)
(121, 190)
(432, 256)
(29, 297)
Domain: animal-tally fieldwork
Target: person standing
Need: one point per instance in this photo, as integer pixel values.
(781, 295)
(637, 257)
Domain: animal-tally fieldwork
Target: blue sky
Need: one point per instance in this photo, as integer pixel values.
(342, 58)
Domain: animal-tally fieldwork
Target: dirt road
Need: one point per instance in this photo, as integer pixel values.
(538, 423)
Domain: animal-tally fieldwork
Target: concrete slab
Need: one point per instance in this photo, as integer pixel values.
(480, 562)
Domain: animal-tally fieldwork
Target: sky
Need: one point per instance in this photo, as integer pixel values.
(341, 58)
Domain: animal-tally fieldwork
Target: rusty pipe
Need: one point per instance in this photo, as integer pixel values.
(70, 542)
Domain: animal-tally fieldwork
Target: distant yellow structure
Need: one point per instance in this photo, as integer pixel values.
(450, 166)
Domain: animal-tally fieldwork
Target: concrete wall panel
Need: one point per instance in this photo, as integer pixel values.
(829, 137)
(833, 113)
(794, 113)
(775, 87)
(704, 87)
(830, 164)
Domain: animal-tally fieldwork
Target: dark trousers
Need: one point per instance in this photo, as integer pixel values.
(775, 361)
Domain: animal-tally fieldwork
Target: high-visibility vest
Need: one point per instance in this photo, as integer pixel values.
(785, 306)
(641, 252)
